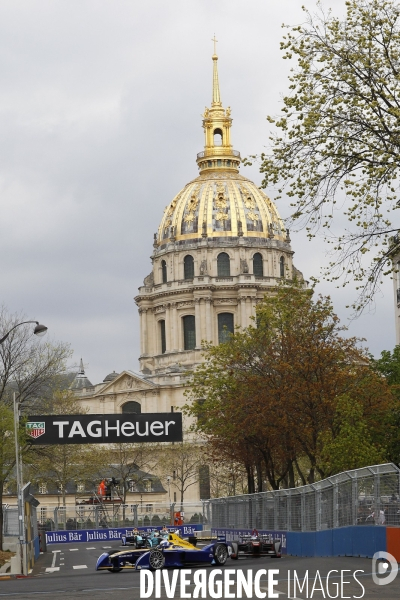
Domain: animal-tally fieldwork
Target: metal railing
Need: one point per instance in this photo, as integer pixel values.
(108, 515)
(366, 496)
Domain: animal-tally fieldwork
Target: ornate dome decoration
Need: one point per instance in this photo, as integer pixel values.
(220, 203)
(110, 377)
(80, 381)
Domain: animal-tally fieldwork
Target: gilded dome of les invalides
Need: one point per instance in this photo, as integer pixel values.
(220, 203)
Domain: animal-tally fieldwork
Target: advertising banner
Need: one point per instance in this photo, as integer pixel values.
(105, 429)
(109, 535)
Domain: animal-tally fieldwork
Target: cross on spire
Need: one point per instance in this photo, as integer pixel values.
(215, 43)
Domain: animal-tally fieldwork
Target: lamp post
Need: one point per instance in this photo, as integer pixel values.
(39, 330)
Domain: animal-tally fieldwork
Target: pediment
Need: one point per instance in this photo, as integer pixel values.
(128, 381)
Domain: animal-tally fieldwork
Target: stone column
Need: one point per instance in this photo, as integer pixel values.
(168, 327)
(243, 313)
(197, 321)
(145, 342)
(203, 319)
(209, 320)
(174, 327)
(141, 331)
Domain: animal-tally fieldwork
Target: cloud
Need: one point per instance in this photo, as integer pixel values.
(100, 106)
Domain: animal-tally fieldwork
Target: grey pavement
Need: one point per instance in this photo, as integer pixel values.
(67, 572)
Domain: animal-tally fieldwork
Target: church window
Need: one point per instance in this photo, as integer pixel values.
(228, 163)
(223, 265)
(162, 337)
(258, 265)
(43, 488)
(282, 266)
(217, 137)
(219, 162)
(164, 271)
(132, 408)
(188, 266)
(225, 327)
(189, 332)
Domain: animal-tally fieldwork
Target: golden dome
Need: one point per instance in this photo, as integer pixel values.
(220, 203)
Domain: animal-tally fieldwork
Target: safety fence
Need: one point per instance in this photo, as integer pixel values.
(366, 496)
(105, 515)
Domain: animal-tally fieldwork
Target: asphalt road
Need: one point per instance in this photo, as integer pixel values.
(66, 572)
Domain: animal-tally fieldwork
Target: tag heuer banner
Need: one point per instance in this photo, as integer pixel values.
(105, 429)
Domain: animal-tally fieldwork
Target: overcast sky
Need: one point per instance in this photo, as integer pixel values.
(100, 105)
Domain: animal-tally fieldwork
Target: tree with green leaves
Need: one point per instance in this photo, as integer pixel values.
(349, 443)
(266, 396)
(388, 365)
(336, 149)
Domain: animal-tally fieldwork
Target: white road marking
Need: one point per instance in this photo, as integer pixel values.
(56, 551)
(79, 567)
(73, 549)
(54, 559)
(91, 548)
(52, 569)
(104, 547)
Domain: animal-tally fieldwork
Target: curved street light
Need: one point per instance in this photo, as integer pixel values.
(39, 331)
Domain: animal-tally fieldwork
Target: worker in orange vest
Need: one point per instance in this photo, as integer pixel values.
(101, 490)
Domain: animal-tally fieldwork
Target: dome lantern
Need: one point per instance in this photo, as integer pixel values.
(218, 153)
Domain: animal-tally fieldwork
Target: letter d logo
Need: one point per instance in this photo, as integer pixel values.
(384, 568)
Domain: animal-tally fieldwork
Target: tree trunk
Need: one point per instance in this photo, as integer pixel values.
(250, 480)
(259, 477)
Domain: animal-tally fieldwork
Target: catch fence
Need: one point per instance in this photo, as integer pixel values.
(110, 515)
(366, 496)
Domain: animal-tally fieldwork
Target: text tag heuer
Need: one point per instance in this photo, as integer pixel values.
(35, 429)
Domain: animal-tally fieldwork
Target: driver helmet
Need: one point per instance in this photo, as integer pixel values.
(164, 544)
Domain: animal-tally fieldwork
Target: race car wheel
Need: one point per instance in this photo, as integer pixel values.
(220, 554)
(156, 560)
(235, 551)
(115, 568)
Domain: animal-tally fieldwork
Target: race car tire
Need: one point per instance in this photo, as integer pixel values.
(235, 551)
(156, 560)
(115, 569)
(220, 554)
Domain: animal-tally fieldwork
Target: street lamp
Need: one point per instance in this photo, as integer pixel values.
(39, 330)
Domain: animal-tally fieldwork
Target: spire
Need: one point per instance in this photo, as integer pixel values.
(80, 381)
(216, 97)
(218, 153)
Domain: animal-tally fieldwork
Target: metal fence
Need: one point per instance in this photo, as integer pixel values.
(106, 515)
(366, 496)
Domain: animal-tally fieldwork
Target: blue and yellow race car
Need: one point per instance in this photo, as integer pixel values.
(174, 552)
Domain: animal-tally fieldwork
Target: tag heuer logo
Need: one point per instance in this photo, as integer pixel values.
(35, 429)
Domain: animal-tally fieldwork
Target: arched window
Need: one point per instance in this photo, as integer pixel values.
(132, 408)
(217, 137)
(282, 266)
(164, 271)
(189, 332)
(258, 269)
(225, 327)
(188, 266)
(223, 265)
(162, 337)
